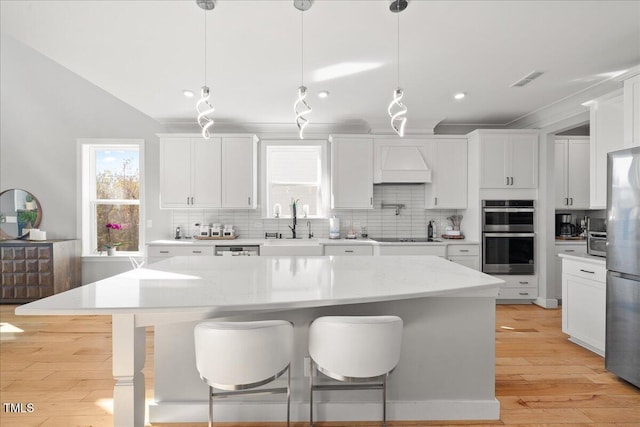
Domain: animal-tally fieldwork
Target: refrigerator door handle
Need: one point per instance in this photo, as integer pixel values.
(624, 275)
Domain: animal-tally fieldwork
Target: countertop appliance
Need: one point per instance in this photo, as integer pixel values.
(597, 237)
(622, 344)
(508, 236)
(564, 227)
(238, 250)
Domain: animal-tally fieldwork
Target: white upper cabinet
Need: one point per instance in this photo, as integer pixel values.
(351, 172)
(508, 159)
(239, 172)
(196, 172)
(606, 134)
(401, 160)
(448, 188)
(572, 173)
(189, 173)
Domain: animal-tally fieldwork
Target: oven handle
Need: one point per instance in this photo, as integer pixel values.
(509, 234)
(508, 210)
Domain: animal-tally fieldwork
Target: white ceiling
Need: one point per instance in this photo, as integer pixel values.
(146, 52)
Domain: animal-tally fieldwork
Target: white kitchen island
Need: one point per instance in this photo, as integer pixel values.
(447, 364)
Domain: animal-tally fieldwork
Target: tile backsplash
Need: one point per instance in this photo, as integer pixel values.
(411, 222)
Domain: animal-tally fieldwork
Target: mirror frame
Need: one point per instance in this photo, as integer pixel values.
(4, 235)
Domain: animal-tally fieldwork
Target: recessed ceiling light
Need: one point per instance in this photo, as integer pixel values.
(323, 94)
(460, 95)
(188, 93)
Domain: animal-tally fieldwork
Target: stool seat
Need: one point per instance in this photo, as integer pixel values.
(354, 349)
(239, 356)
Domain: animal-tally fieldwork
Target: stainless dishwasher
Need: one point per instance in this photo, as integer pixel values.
(237, 250)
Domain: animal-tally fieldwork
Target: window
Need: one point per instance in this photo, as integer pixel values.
(295, 171)
(111, 193)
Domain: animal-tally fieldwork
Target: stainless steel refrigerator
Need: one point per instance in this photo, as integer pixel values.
(622, 351)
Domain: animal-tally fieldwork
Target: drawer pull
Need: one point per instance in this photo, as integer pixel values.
(349, 251)
(569, 250)
(587, 271)
(524, 283)
(464, 250)
(164, 252)
(196, 252)
(523, 293)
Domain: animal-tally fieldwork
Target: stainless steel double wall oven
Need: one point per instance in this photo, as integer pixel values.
(508, 236)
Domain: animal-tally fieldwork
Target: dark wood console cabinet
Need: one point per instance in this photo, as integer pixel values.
(32, 270)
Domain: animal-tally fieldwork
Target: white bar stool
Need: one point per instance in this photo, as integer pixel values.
(355, 349)
(240, 356)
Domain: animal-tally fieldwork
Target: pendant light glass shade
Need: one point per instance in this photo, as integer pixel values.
(205, 108)
(397, 111)
(301, 108)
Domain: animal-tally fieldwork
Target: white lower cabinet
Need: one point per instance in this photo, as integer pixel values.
(584, 303)
(518, 287)
(159, 252)
(348, 250)
(467, 255)
(411, 250)
(567, 249)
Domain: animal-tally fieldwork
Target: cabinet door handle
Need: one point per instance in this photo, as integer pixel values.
(164, 252)
(436, 201)
(507, 180)
(571, 199)
(566, 201)
(464, 250)
(511, 180)
(524, 283)
(187, 199)
(587, 271)
(371, 201)
(348, 251)
(196, 252)
(249, 200)
(192, 200)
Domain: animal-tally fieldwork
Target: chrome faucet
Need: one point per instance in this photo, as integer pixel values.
(294, 219)
(309, 229)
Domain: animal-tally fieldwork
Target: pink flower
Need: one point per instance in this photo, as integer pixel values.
(114, 226)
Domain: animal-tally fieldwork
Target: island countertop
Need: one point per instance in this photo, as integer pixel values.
(222, 285)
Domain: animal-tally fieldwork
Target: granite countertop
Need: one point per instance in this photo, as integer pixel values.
(304, 242)
(232, 285)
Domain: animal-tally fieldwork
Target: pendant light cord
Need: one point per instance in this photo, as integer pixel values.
(301, 48)
(205, 47)
(398, 48)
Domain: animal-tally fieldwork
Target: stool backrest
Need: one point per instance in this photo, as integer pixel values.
(241, 353)
(356, 346)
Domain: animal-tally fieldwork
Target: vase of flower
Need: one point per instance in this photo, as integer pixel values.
(111, 246)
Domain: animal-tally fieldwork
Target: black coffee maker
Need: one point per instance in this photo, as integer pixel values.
(564, 227)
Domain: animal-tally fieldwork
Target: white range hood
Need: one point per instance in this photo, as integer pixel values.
(403, 161)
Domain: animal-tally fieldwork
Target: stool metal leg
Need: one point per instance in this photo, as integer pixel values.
(311, 394)
(210, 406)
(288, 394)
(384, 401)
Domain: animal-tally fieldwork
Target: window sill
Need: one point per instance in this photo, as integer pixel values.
(118, 257)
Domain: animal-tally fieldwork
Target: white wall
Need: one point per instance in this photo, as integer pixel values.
(45, 108)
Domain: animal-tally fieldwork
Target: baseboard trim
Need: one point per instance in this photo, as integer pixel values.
(173, 412)
(546, 302)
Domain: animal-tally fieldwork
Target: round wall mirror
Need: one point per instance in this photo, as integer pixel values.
(20, 211)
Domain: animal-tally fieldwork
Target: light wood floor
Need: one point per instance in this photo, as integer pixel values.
(62, 365)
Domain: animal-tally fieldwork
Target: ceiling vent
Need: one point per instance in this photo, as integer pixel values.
(527, 79)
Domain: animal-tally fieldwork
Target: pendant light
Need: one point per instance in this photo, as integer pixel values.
(397, 110)
(203, 106)
(300, 107)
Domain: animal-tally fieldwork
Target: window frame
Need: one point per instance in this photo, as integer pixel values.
(87, 202)
(325, 190)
